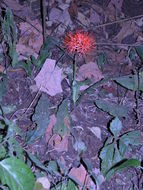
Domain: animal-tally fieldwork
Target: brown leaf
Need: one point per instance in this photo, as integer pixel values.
(49, 129)
(31, 40)
(12, 4)
(90, 71)
(49, 78)
(58, 143)
(73, 10)
(128, 28)
(82, 176)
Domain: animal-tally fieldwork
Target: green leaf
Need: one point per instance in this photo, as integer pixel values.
(8, 109)
(37, 162)
(69, 185)
(101, 61)
(131, 82)
(124, 164)
(106, 155)
(41, 118)
(75, 91)
(3, 85)
(115, 127)
(9, 31)
(131, 138)
(76, 88)
(113, 109)
(3, 152)
(45, 51)
(60, 127)
(26, 65)
(16, 174)
(139, 50)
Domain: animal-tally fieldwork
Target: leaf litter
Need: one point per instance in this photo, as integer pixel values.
(50, 81)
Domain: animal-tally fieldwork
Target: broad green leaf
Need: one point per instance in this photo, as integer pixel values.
(41, 118)
(76, 88)
(16, 174)
(131, 138)
(3, 152)
(113, 109)
(62, 113)
(131, 82)
(106, 155)
(139, 50)
(37, 163)
(52, 166)
(69, 185)
(116, 126)
(8, 109)
(26, 65)
(45, 51)
(15, 149)
(124, 164)
(13, 129)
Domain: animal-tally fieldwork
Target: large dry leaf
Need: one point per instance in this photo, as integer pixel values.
(90, 71)
(30, 38)
(49, 78)
(82, 176)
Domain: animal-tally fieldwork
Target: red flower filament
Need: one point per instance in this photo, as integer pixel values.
(79, 42)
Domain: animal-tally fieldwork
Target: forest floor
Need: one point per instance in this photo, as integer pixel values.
(74, 135)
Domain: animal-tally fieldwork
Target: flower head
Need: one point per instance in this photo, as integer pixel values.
(79, 42)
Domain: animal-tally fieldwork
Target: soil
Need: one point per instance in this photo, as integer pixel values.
(86, 115)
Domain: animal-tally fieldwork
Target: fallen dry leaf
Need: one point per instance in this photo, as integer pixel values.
(82, 176)
(59, 144)
(30, 40)
(14, 5)
(96, 131)
(128, 28)
(45, 182)
(90, 71)
(49, 78)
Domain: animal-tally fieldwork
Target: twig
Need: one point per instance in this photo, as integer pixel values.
(44, 19)
(118, 21)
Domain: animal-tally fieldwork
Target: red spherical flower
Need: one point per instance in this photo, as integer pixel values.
(79, 42)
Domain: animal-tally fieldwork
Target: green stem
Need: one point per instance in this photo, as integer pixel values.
(74, 68)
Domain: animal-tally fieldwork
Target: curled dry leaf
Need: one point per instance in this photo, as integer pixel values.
(49, 78)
